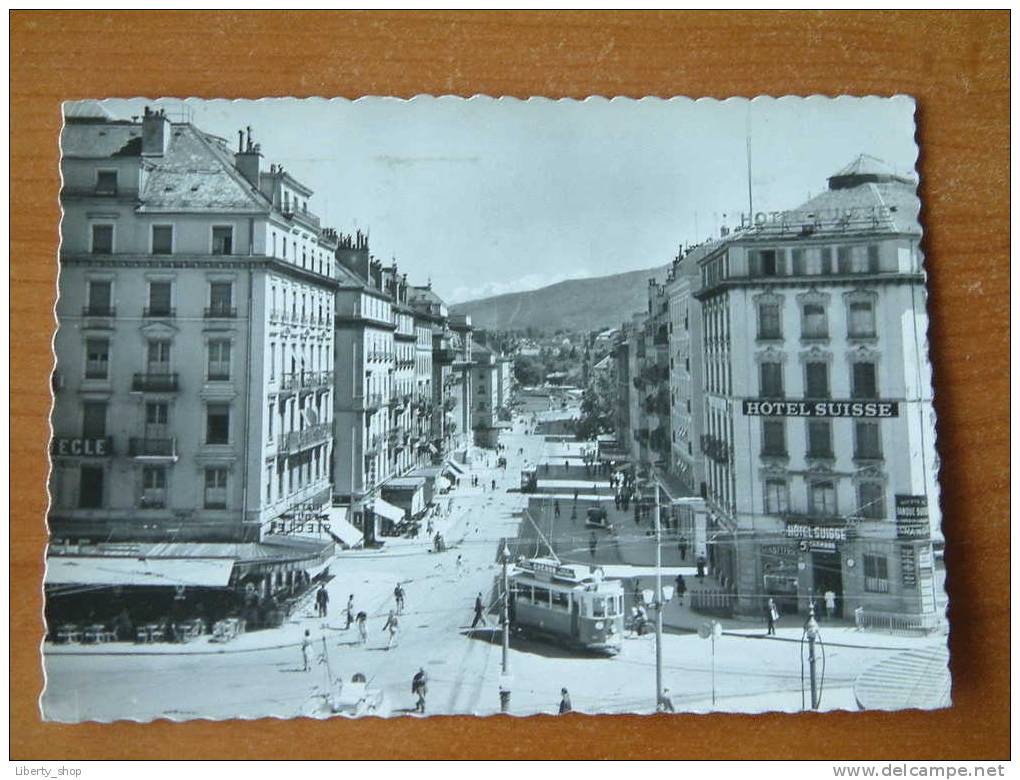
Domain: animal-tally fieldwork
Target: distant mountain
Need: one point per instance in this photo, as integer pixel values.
(575, 304)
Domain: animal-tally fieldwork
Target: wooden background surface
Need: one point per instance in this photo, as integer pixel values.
(956, 65)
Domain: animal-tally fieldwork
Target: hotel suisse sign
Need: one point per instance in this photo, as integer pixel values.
(101, 447)
(876, 409)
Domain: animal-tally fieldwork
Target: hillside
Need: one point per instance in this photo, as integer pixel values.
(575, 304)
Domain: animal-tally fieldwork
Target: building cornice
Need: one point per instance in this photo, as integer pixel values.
(196, 261)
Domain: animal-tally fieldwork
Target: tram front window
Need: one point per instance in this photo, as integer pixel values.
(541, 596)
(598, 607)
(524, 592)
(560, 600)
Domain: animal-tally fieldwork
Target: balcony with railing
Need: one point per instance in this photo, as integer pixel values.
(153, 448)
(221, 312)
(155, 382)
(99, 316)
(159, 313)
(373, 402)
(295, 441)
(716, 449)
(373, 444)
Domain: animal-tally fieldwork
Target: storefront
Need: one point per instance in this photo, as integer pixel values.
(407, 493)
(115, 585)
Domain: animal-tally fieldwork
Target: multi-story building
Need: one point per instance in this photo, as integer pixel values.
(459, 422)
(432, 315)
(622, 348)
(505, 386)
(818, 425)
(485, 400)
(686, 393)
(404, 388)
(193, 389)
(365, 388)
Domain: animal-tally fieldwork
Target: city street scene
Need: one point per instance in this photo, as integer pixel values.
(446, 406)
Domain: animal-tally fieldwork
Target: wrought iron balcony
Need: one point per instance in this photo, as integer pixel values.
(165, 448)
(221, 312)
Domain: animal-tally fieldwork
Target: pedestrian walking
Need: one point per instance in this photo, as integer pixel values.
(575, 495)
(460, 566)
(593, 544)
(322, 600)
(398, 597)
(306, 651)
(683, 549)
(479, 612)
(419, 687)
(771, 616)
(393, 626)
(362, 621)
(681, 589)
(493, 486)
(830, 603)
(350, 611)
(556, 508)
(565, 705)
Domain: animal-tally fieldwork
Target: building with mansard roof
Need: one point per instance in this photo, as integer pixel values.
(194, 379)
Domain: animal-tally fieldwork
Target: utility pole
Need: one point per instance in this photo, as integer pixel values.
(658, 602)
(504, 684)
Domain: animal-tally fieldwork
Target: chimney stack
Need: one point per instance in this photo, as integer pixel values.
(352, 254)
(248, 159)
(155, 133)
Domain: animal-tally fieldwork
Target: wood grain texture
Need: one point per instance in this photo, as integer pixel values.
(955, 63)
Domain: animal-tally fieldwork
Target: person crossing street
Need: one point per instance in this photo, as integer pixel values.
(393, 626)
(398, 597)
(479, 612)
(321, 601)
(419, 687)
(350, 611)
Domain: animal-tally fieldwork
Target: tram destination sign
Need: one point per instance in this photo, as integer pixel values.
(756, 407)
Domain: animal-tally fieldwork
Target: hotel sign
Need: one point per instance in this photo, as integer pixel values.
(865, 409)
(821, 538)
(101, 447)
(912, 517)
(819, 218)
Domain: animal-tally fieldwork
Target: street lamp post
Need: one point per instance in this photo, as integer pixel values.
(658, 602)
(504, 682)
(812, 632)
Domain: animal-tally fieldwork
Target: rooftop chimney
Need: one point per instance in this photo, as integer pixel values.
(155, 133)
(248, 159)
(352, 254)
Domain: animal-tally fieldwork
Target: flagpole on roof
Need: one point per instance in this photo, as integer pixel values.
(750, 198)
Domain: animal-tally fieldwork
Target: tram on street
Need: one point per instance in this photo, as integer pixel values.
(567, 604)
(529, 480)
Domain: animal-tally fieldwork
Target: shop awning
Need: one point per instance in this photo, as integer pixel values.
(442, 483)
(342, 528)
(387, 510)
(454, 466)
(133, 571)
(433, 449)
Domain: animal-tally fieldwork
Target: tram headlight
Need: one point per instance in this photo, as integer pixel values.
(599, 625)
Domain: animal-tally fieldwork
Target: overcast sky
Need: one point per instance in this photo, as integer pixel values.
(486, 196)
